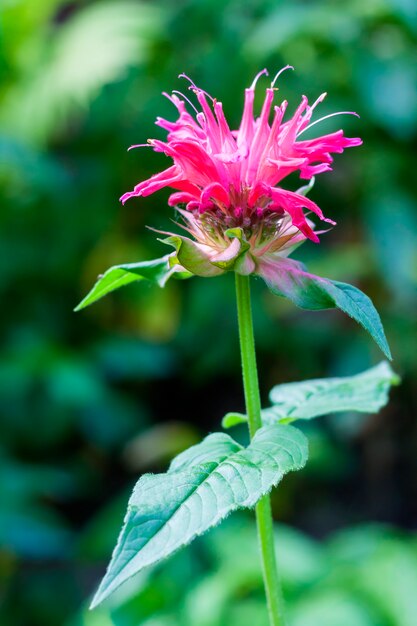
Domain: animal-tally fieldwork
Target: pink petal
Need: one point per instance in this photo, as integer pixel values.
(293, 204)
(216, 191)
(180, 197)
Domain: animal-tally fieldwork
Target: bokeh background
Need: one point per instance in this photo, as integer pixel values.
(90, 401)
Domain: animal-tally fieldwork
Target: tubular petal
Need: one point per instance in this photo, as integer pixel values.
(228, 178)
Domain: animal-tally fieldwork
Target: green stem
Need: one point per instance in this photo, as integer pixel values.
(253, 410)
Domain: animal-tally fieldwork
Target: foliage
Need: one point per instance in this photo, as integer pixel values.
(352, 578)
(81, 81)
(366, 392)
(158, 272)
(202, 486)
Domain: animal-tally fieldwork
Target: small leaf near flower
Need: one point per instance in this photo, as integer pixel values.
(202, 486)
(289, 279)
(157, 271)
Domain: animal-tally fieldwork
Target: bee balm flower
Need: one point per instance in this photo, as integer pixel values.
(228, 191)
(228, 182)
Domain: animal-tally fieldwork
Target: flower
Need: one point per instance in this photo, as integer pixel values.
(228, 182)
(228, 193)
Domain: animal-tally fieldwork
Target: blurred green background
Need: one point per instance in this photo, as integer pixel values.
(90, 401)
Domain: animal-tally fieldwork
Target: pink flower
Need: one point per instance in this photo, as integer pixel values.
(231, 179)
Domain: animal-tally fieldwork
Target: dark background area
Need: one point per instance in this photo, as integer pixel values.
(89, 401)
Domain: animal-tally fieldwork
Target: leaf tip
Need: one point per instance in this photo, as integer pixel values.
(94, 603)
(103, 592)
(97, 599)
(386, 349)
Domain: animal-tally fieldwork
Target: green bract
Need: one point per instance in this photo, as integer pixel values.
(284, 277)
(157, 272)
(289, 279)
(202, 486)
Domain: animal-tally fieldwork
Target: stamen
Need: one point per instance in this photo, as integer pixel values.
(186, 78)
(287, 67)
(319, 99)
(326, 117)
(257, 77)
(194, 87)
(170, 98)
(185, 98)
(140, 145)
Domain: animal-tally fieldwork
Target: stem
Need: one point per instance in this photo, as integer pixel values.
(253, 410)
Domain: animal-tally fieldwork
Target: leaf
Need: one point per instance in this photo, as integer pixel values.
(289, 279)
(366, 393)
(202, 486)
(157, 271)
(233, 419)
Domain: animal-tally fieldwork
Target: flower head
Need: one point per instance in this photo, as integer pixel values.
(228, 182)
(227, 190)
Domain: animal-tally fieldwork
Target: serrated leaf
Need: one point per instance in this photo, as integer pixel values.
(289, 279)
(202, 486)
(157, 271)
(366, 393)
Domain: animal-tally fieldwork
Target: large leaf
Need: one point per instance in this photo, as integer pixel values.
(157, 271)
(202, 486)
(366, 392)
(289, 279)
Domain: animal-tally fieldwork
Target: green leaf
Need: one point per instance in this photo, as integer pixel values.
(233, 419)
(289, 279)
(202, 486)
(366, 393)
(157, 271)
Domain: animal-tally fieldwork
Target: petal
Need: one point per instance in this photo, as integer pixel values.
(217, 192)
(293, 204)
(156, 182)
(180, 197)
(260, 138)
(247, 125)
(196, 163)
(171, 177)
